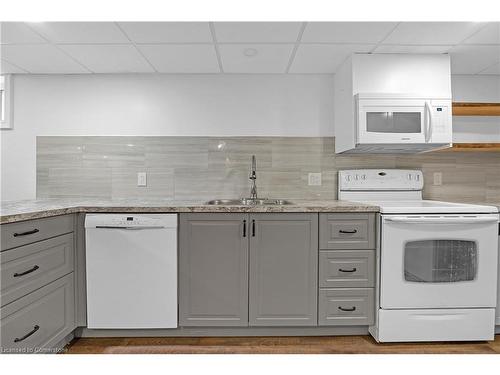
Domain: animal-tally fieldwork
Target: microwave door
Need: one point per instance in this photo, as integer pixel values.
(393, 125)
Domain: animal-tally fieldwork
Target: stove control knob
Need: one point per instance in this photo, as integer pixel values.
(356, 177)
(409, 177)
(348, 177)
(363, 177)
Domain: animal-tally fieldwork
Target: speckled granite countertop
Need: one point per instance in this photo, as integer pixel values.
(34, 209)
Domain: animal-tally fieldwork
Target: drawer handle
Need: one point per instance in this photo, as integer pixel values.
(35, 328)
(347, 309)
(348, 231)
(26, 233)
(244, 228)
(35, 267)
(351, 270)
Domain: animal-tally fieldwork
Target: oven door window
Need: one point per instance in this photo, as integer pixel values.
(393, 122)
(440, 261)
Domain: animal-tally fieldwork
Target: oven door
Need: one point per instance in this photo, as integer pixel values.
(438, 261)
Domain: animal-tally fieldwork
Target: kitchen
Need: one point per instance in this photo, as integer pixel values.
(226, 183)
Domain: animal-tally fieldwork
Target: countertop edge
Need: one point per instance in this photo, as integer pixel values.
(40, 214)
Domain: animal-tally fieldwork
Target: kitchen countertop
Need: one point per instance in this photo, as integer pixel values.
(14, 211)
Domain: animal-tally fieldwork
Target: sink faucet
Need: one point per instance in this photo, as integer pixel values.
(253, 178)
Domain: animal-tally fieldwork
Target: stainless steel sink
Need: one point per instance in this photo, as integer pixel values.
(248, 202)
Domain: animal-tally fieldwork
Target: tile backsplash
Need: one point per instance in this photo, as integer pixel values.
(202, 168)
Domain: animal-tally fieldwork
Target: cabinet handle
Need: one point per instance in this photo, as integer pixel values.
(35, 267)
(253, 228)
(26, 233)
(351, 270)
(244, 228)
(35, 328)
(348, 231)
(347, 309)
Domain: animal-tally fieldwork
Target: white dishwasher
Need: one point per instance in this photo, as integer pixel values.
(131, 271)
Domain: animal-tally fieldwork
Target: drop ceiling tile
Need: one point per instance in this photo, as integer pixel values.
(117, 58)
(6, 68)
(472, 59)
(269, 58)
(346, 32)
(492, 70)
(490, 34)
(431, 33)
(181, 58)
(167, 32)
(18, 33)
(40, 58)
(324, 58)
(80, 32)
(257, 32)
(386, 48)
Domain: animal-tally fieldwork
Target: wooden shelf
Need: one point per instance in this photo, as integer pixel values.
(475, 109)
(474, 147)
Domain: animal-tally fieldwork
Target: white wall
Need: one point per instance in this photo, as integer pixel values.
(284, 105)
(469, 88)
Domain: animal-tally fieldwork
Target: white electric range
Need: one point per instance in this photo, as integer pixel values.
(436, 261)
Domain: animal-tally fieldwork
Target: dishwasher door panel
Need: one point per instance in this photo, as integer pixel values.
(131, 277)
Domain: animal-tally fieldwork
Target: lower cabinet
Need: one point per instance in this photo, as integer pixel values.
(248, 269)
(213, 269)
(283, 270)
(39, 320)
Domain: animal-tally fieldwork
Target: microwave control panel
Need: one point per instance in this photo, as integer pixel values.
(440, 118)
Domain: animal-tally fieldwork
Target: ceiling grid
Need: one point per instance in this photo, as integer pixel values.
(236, 47)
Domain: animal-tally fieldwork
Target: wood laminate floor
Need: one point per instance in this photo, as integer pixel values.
(272, 345)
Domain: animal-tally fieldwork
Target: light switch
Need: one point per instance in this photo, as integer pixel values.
(314, 179)
(438, 179)
(141, 179)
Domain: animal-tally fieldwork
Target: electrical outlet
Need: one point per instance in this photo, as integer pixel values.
(438, 179)
(141, 179)
(314, 179)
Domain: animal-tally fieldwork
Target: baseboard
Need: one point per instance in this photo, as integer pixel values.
(224, 332)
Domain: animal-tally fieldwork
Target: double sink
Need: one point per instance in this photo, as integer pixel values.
(249, 202)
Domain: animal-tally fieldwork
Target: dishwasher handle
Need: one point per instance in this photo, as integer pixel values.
(442, 220)
(129, 228)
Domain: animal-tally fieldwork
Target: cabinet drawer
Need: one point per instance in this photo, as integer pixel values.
(29, 267)
(25, 232)
(39, 320)
(346, 231)
(347, 268)
(346, 307)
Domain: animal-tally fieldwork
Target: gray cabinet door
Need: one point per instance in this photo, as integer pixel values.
(213, 270)
(283, 269)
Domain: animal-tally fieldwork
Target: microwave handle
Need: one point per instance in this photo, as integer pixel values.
(428, 122)
(441, 220)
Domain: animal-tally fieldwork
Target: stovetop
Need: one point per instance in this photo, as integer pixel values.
(423, 206)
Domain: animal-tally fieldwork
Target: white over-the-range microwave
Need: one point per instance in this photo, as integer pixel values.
(402, 122)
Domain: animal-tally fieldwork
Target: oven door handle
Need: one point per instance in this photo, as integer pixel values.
(442, 220)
